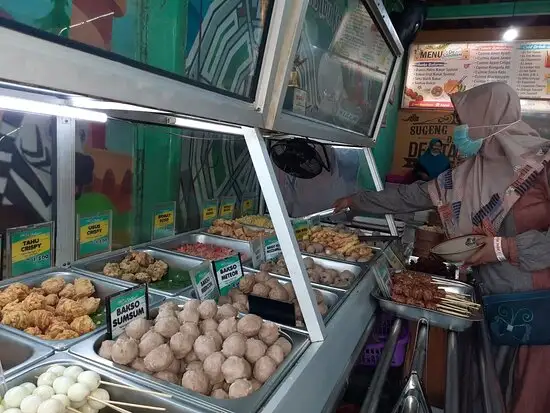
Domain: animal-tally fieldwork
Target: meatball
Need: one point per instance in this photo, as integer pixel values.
(212, 367)
(219, 394)
(285, 345)
(170, 306)
(191, 329)
(235, 368)
(262, 277)
(234, 345)
(261, 290)
(105, 349)
(240, 298)
(290, 291)
(167, 326)
(225, 311)
(208, 325)
(175, 367)
(269, 333)
(264, 369)
(149, 341)
(254, 350)
(240, 307)
(319, 296)
(227, 327)
(194, 366)
(137, 328)
(216, 336)
(246, 283)
(204, 346)
(139, 365)
(53, 285)
(273, 283)
(124, 350)
(276, 353)
(181, 344)
(279, 293)
(249, 325)
(196, 380)
(159, 358)
(192, 304)
(224, 299)
(323, 309)
(240, 388)
(188, 315)
(207, 309)
(83, 324)
(167, 376)
(191, 357)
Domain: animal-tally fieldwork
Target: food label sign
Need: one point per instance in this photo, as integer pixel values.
(30, 248)
(209, 212)
(248, 204)
(164, 222)
(228, 272)
(256, 247)
(272, 248)
(382, 276)
(124, 307)
(393, 259)
(227, 207)
(204, 282)
(94, 234)
(301, 227)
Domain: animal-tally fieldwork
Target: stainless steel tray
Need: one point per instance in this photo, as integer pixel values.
(172, 243)
(17, 353)
(367, 223)
(88, 350)
(173, 284)
(174, 404)
(434, 318)
(103, 289)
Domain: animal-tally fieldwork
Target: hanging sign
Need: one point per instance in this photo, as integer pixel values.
(228, 272)
(301, 227)
(393, 259)
(382, 275)
(257, 249)
(124, 307)
(209, 212)
(227, 207)
(204, 282)
(30, 248)
(94, 234)
(164, 220)
(248, 204)
(272, 248)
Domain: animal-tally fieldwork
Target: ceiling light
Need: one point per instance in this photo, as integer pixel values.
(208, 126)
(510, 34)
(50, 109)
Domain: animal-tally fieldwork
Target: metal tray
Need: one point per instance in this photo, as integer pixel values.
(366, 223)
(172, 243)
(18, 353)
(178, 268)
(250, 404)
(174, 404)
(103, 289)
(434, 318)
(331, 264)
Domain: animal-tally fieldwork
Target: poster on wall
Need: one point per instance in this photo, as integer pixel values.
(436, 71)
(415, 129)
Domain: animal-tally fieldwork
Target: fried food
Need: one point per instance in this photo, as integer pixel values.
(83, 324)
(53, 285)
(20, 290)
(90, 304)
(13, 306)
(66, 335)
(57, 327)
(69, 310)
(84, 288)
(137, 267)
(34, 301)
(69, 291)
(34, 331)
(112, 269)
(7, 297)
(17, 319)
(41, 319)
(52, 300)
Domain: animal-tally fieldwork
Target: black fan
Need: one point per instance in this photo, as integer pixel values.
(299, 158)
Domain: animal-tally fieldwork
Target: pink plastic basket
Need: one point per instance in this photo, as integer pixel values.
(374, 347)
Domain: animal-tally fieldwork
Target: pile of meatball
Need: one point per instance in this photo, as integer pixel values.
(202, 347)
(264, 285)
(316, 273)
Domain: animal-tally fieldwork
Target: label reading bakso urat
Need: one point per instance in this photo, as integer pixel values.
(124, 307)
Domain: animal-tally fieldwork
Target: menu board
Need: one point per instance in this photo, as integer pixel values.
(436, 71)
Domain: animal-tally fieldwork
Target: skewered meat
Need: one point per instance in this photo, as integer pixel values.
(206, 251)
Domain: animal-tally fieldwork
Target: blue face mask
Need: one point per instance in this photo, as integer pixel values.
(466, 146)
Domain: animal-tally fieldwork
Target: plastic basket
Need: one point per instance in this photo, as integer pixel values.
(375, 346)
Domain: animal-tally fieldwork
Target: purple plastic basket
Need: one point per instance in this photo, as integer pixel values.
(374, 347)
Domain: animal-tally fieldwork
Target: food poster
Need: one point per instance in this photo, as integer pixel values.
(341, 64)
(436, 71)
(415, 129)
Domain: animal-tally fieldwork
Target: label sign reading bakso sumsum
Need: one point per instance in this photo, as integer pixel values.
(204, 282)
(124, 307)
(29, 248)
(228, 272)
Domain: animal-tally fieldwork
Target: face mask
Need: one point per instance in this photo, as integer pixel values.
(467, 146)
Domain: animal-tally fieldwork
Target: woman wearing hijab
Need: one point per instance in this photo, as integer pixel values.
(502, 191)
(433, 162)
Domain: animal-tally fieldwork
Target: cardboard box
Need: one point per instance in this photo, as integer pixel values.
(415, 129)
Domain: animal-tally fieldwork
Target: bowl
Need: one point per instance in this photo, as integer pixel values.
(458, 249)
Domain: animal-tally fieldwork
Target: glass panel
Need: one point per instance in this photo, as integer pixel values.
(27, 159)
(216, 43)
(340, 67)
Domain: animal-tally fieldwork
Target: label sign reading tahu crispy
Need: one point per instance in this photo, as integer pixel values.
(30, 248)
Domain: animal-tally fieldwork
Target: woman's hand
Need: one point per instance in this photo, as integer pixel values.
(487, 254)
(342, 204)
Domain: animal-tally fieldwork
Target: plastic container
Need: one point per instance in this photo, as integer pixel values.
(375, 346)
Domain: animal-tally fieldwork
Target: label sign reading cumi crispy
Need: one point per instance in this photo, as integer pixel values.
(94, 234)
(30, 248)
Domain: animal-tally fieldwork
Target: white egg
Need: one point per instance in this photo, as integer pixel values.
(13, 410)
(73, 371)
(87, 409)
(90, 379)
(57, 369)
(46, 379)
(61, 384)
(14, 396)
(45, 392)
(51, 406)
(30, 404)
(29, 386)
(78, 392)
(78, 405)
(63, 399)
(99, 394)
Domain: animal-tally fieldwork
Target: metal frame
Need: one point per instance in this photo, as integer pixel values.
(281, 222)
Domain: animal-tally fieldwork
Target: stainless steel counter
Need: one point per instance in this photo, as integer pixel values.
(17, 353)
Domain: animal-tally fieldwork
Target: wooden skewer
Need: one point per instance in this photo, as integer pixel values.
(459, 303)
(457, 309)
(123, 386)
(141, 406)
(112, 406)
(442, 310)
(71, 410)
(463, 302)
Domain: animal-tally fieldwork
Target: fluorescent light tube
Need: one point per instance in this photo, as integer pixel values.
(50, 109)
(208, 126)
(87, 103)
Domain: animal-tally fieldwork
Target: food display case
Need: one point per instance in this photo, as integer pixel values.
(278, 89)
